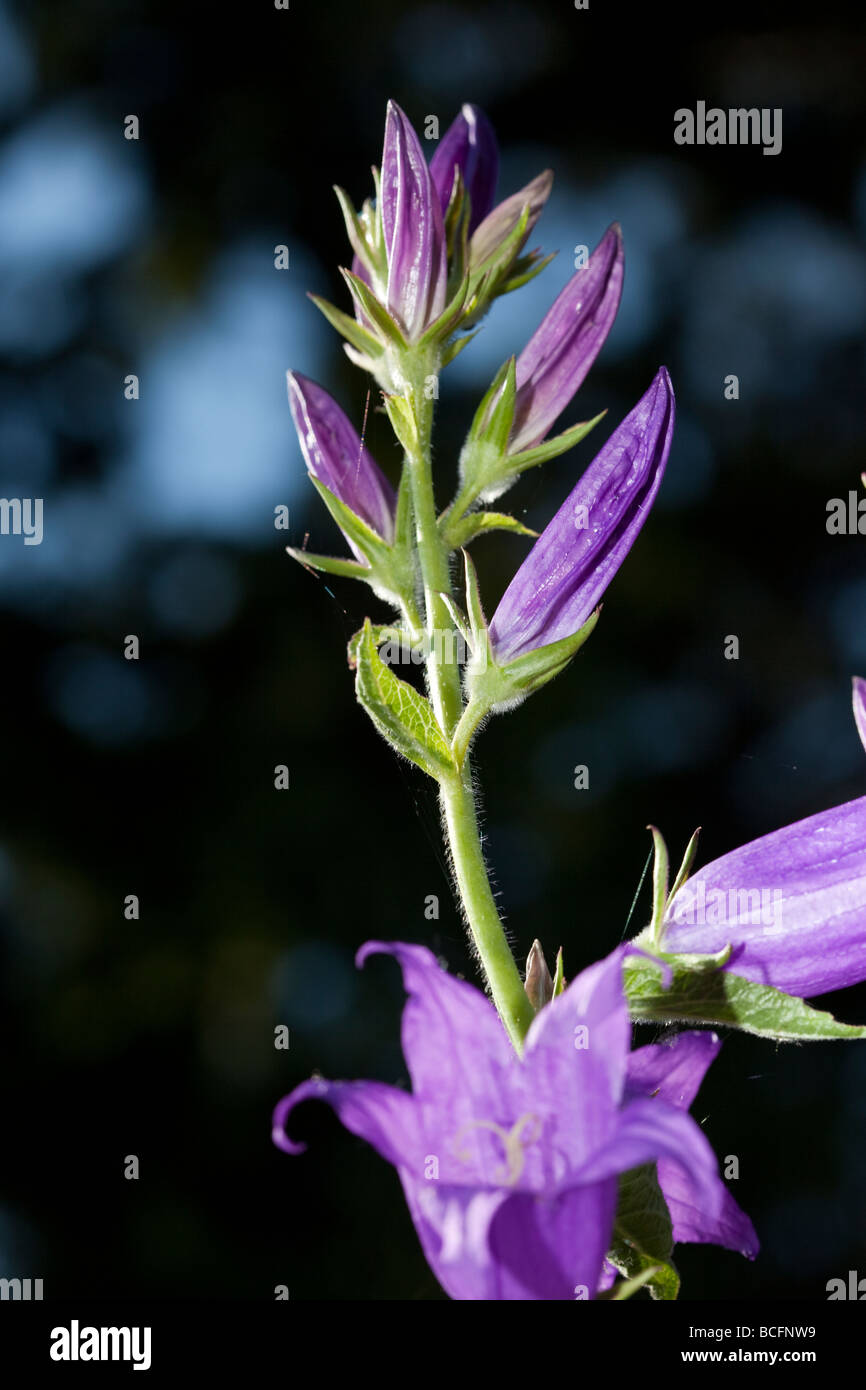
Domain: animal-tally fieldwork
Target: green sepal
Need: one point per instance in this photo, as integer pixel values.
(389, 329)
(455, 347)
(495, 415)
(355, 333)
(403, 421)
(528, 673)
(403, 716)
(643, 1234)
(686, 866)
(558, 975)
(457, 534)
(661, 870)
(330, 564)
(365, 538)
(552, 448)
(355, 231)
(450, 318)
(625, 1288)
(526, 268)
(701, 991)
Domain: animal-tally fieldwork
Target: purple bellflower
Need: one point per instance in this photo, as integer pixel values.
(468, 145)
(336, 457)
(562, 349)
(413, 227)
(791, 904)
(509, 1165)
(571, 564)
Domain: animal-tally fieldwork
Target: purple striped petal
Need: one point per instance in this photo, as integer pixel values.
(792, 904)
(387, 1118)
(469, 145)
(559, 354)
(673, 1069)
(571, 564)
(335, 455)
(859, 695)
(413, 228)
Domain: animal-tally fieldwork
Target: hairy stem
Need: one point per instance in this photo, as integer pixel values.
(443, 675)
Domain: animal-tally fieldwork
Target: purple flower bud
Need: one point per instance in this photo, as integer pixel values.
(559, 354)
(469, 145)
(498, 224)
(860, 707)
(574, 559)
(335, 456)
(413, 228)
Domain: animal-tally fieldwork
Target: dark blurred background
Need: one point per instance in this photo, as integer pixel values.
(156, 778)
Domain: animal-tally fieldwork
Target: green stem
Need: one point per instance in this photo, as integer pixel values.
(457, 794)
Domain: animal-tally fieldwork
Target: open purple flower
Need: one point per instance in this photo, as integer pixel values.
(468, 145)
(413, 227)
(792, 904)
(562, 349)
(510, 1165)
(577, 555)
(336, 457)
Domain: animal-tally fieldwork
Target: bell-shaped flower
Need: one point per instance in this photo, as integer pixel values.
(554, 363)
(510, 1164)
(468, 147)
(413, 228)
(560, 582)
(338, 460)
(791, 905)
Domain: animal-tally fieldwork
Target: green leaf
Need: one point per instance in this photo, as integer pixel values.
(456, 534)
(698, 994)
(402, 715)
(643, 1235)
(380, 633)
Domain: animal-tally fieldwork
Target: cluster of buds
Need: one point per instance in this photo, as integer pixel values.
(431, 252)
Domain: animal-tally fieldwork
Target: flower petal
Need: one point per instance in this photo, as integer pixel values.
(334, 454)
(469, 144)
(693, 1223)
(413, 228)
(577, 555)
(651, 1129)
(792, 904)
(491, 1246)
(675, 1068)
(575, 1059)
(386, 1117)
(562, 349)
(859, 695)
(453, 1040)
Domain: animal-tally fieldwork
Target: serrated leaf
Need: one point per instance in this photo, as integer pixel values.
(401, 714)
(697, 994)
(643, 1235)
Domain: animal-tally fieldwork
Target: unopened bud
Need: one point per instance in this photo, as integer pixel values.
(538, 983)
